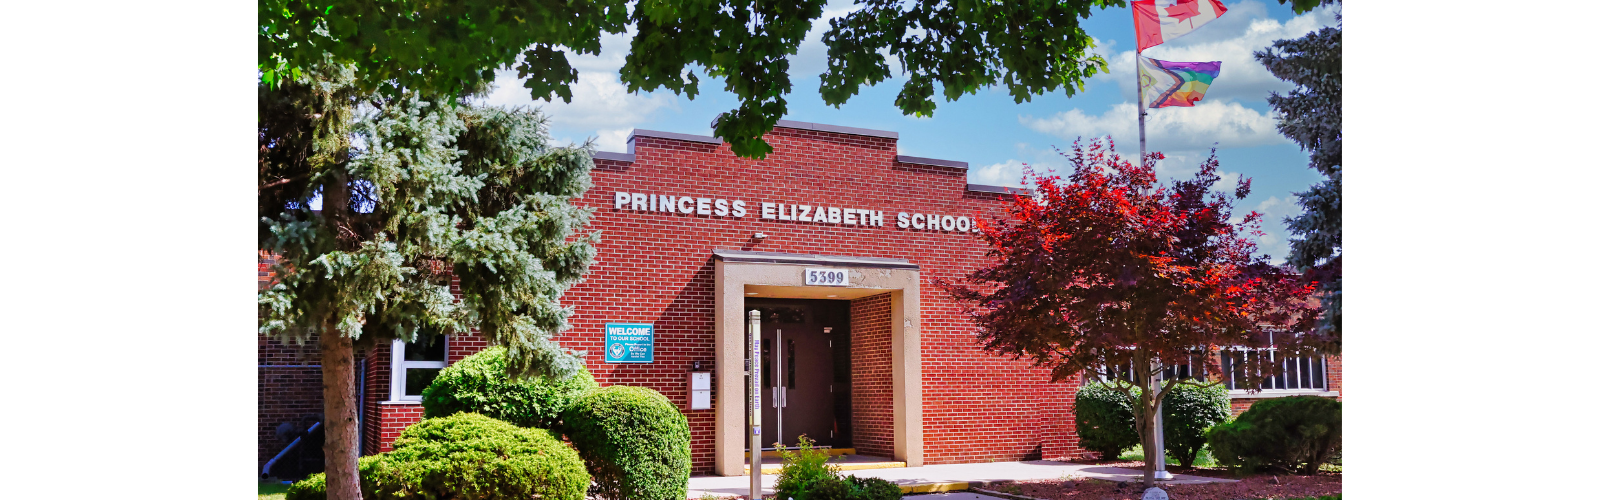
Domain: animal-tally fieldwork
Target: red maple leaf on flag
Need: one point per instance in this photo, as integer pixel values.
(1183, 10)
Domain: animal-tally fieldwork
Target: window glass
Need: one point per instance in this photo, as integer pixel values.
(418, 379)
(426, 348)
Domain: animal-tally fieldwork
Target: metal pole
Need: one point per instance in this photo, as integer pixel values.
(1138, 92)
(1160, 453)
(753, 406)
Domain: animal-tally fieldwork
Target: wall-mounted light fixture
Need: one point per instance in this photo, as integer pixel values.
(760, 236)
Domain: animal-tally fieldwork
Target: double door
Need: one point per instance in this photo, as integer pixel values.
(796, 375)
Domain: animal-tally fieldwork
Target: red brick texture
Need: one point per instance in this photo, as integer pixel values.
(871, 381)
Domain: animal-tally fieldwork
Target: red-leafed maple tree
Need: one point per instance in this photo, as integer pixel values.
(1112, 274)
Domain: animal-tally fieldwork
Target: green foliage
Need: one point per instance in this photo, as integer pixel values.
(806, 475)
(466, 456)
(414, 192)
(478, 384)
(1296, 434)
(1304, 6)
(1186, 413)
(633, 440)
(1104, 419)
(805, 470)
(1310, 115)
(452, 47)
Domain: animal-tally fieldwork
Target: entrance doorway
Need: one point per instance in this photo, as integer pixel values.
(805, 378)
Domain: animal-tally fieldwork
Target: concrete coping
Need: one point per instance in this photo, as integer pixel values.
(639, 132)
(981, 188)
(743, 256)
(606, 155)
(917, 160)
(838, 129)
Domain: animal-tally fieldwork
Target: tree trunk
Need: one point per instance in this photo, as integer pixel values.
(339, 415)
(1145, 418)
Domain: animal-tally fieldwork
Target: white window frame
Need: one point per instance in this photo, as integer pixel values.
(1271, 351)
(398, 366)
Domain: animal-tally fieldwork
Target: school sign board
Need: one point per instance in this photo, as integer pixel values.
(630, 343)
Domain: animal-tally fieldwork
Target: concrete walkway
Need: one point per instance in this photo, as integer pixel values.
(950, 477)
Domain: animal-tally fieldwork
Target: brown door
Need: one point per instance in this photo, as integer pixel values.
(796, 375)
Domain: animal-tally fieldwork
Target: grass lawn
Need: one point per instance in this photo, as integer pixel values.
(271, 491)
(1136, 454)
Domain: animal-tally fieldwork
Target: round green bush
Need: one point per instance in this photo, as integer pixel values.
(1296, 434)
(478, 384)
(1104, 419)
(466, 455)
(1186, 413)
(634, 441)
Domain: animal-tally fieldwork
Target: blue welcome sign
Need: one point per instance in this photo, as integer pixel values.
(630, 343)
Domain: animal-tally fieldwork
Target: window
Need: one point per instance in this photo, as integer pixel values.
(415, 365)
(1296, 373)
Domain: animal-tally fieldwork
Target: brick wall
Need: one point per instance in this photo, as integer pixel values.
(871, 378)
(656, 267)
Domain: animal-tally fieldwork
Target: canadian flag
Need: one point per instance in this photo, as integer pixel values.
(1159, 21)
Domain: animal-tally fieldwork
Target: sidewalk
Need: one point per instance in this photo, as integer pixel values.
(950, 477)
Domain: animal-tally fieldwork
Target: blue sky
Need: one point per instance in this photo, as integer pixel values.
(995, 135)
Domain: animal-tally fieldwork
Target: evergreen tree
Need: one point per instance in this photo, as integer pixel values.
(1310, 116)
(414, 191)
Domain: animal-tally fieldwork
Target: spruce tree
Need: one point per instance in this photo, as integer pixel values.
(1310, 116)
(414, 190)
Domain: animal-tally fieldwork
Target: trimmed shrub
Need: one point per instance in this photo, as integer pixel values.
(466, 455)
(1104, 420)
(634, 441)
(1186, 413)
(478, 384)
(1296, 434)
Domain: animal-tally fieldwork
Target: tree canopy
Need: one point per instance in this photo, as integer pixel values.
(1111, 274)
(414, 193)
(1310, 115)
(445, 47)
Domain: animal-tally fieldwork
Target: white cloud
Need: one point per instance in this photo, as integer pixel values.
(601, 105)
(1229, 125)
(1232, 39)
(999, 174)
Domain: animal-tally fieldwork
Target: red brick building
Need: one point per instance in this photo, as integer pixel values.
(692, 238)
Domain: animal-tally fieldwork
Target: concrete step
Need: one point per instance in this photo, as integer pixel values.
(843, 462)
(831, 451)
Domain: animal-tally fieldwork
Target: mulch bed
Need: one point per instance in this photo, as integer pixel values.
(1260, 486)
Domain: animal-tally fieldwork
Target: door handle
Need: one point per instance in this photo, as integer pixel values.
(775, 393)
(785, 397)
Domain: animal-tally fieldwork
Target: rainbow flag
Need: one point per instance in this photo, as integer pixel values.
(1166, 83)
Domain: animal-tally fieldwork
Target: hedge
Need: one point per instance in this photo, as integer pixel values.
(634, 442)
(465, 455)
(479, 384)
(1186, 413)
(1104, 420)
(1297, 434)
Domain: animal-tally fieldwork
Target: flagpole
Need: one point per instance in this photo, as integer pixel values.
(1160, 453)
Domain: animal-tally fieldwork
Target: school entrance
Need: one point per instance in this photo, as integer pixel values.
(805, 371)
(839, 362)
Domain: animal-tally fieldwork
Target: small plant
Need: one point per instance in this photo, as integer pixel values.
(1297, 434)
(634, 441)
(803, 470)
(807, 475)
